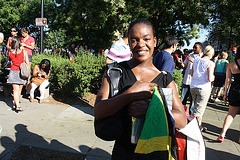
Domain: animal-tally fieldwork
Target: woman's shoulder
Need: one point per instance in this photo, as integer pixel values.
(36, 66)
(232, 63)
(31, 38)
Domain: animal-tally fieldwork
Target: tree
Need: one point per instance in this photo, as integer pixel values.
(97, 26)
(226, 23)
(20, 13)
(98, 22)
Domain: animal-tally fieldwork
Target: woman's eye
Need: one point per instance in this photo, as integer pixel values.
(133, 40)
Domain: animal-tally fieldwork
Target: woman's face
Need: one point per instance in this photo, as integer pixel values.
(142, 41)
(24, 34)
(13, 32)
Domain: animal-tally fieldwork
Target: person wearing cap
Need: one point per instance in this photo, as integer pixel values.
(119, 51)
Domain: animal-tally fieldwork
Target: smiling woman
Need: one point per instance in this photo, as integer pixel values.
(135, 86)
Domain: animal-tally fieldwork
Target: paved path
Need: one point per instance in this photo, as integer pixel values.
(69, 129)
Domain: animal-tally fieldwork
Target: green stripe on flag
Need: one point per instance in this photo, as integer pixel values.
(155, 134)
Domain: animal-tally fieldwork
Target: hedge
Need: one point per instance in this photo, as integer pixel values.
(81, 76)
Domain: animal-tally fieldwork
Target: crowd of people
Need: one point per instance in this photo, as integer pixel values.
(208, 77)
(19, 50)
(205, 73)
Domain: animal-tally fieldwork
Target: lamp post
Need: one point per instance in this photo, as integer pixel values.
(42, 7)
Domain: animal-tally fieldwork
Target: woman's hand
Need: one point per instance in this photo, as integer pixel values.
(225, 98)
(22, 44)
(138, 109)
(141, 90)
(44, 74)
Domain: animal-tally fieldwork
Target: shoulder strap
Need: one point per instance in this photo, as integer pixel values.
(237, 64)
(114, 73)
(23, 55)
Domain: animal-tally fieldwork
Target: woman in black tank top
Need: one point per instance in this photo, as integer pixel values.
(135, 86)
(233, 69)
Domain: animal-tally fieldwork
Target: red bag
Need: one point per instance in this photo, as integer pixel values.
(181, 145)
(181, 142)
(189, 141)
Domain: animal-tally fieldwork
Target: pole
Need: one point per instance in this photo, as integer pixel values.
(42, 6)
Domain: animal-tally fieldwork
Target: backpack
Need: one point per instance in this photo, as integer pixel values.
(111, 128)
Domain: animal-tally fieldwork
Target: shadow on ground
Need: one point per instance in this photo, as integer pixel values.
(221, 155)
(31, 146)
(232, 134)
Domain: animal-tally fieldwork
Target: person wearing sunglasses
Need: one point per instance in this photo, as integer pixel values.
(14, 32)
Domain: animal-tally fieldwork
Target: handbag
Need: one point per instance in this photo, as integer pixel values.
(24, 69)
(38, 80)
(28, 87)
(111, 128)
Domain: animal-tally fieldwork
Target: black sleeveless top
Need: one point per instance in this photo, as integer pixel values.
(127, 80)
(234, 93)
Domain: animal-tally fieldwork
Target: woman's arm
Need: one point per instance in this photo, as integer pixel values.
(31, 46)
(26, 59)
(226, 65)
(105, 106)
(8, 46)
(210, 71)
(178, 111)
(227, 81)
(35, 71)
(48, 75)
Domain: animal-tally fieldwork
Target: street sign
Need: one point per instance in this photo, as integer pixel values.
(41, 21)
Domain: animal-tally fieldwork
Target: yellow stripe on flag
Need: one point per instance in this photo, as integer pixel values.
(153, 144)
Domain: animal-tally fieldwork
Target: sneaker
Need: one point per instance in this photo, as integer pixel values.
(217, 100)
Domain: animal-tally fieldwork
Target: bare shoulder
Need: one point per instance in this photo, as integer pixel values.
(36, 66)
(232, 64)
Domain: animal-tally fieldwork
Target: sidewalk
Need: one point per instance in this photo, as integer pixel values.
(213, 119)
(54, 131)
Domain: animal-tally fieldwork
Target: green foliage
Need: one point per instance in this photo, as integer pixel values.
(225, 27)
(95, 22)
(20, 13)
(178, 78)
(78, 78)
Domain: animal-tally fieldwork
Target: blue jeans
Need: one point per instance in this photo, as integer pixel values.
(184, 96)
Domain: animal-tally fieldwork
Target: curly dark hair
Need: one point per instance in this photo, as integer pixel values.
(45, 65)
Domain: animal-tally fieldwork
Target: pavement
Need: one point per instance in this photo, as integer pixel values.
(62, 131)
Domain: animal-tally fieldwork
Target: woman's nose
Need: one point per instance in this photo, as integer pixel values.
(141, 43)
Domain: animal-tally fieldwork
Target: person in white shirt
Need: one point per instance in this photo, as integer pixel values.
(202, 76)
(187, 65)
